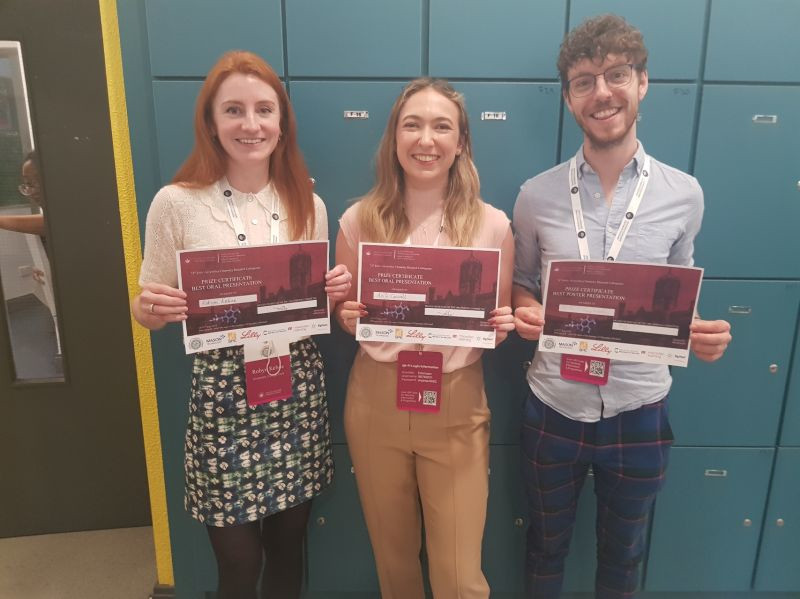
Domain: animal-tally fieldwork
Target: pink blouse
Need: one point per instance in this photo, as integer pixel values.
(493, 230)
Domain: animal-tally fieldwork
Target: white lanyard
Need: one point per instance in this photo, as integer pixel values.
(627, 221)
(435, 241)
(238, 226)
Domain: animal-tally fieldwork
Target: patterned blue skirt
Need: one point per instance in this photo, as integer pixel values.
(243, 463)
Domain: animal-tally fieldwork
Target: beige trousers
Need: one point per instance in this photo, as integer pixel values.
(437, 460)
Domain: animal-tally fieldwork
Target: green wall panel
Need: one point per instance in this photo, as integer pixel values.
(701, 539)
(354, 38)
(746, 140)
(502, 39)
(753, 41)
(186, 37)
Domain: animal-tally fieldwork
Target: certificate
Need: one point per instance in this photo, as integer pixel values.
(427, 295)
(248, 293)
(618, 310)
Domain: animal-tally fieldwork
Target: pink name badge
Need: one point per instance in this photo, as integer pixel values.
(268, 373)
(585, 369)
(419, 381)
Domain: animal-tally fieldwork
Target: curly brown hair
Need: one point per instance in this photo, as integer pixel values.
(598, 37)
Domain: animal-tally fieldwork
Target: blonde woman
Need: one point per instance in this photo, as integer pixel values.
(426, 193)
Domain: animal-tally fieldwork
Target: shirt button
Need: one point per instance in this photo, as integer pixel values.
(596, 196)
(249, 199)
(254, 221)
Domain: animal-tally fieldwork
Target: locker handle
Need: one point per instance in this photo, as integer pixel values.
(765, 119)
(740, 309)
(714, 473)
(356, 114)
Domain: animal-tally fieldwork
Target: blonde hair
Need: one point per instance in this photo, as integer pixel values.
(381, 214)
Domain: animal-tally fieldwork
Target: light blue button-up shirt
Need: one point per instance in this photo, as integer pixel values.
(663, 232)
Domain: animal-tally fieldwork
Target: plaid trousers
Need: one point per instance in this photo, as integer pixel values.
(628, 455)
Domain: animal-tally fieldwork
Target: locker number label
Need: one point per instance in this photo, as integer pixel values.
(356, 114)
(493, 116)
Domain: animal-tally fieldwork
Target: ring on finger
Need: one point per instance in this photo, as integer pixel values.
(151, 309)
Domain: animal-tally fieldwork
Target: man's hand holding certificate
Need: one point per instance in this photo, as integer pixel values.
(621, 311)
(427, 295)
(242, 294)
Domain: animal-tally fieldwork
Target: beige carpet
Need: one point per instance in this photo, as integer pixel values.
(101, 564)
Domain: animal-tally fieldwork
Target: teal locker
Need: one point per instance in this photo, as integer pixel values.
(338, 350)
(339, 126)
(354, 38)
(780, 543)
(665, 125)
(737, 400)
(790, 431)
(339, 552)
(514, 135)
(753, 41)
(186, 37)
(707, 520)
(506, 522)
(516, 39)
(173, 103)
(746, 142)
(504, 371)
(673, 31)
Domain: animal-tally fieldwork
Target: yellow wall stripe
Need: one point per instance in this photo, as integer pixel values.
(130, 239)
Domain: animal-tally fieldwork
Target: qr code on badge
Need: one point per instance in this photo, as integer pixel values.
(429, 398)
(597, 368)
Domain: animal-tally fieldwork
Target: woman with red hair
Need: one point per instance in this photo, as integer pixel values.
(251, 470)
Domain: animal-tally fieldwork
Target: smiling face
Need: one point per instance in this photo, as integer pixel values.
(247, 120)
(607, 115)
(428, 139)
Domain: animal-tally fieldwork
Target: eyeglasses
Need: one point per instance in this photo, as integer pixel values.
(27, 190)
(618, 76)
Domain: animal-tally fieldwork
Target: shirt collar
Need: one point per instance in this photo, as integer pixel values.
(266, 197)
(637, 162)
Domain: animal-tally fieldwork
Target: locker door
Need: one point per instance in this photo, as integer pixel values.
(506, 522)
(790, 433)
(707, 520)
(173, 103)
(780, 544)
(339, 126)
(673, 31)
(737, 400)
(354, 38)
(504, 371)
(751, 41)
(339, 552)
(515, 131)
(666, 121)
(746, 142)
(186, 37)
(502, 39)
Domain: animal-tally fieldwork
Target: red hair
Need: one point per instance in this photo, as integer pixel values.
(287, 171)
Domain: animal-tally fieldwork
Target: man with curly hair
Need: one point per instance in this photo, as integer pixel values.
(618, 425)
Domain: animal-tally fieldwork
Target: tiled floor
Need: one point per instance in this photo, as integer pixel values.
(101, 564)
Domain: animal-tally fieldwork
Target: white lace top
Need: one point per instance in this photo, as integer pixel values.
(186, 219)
